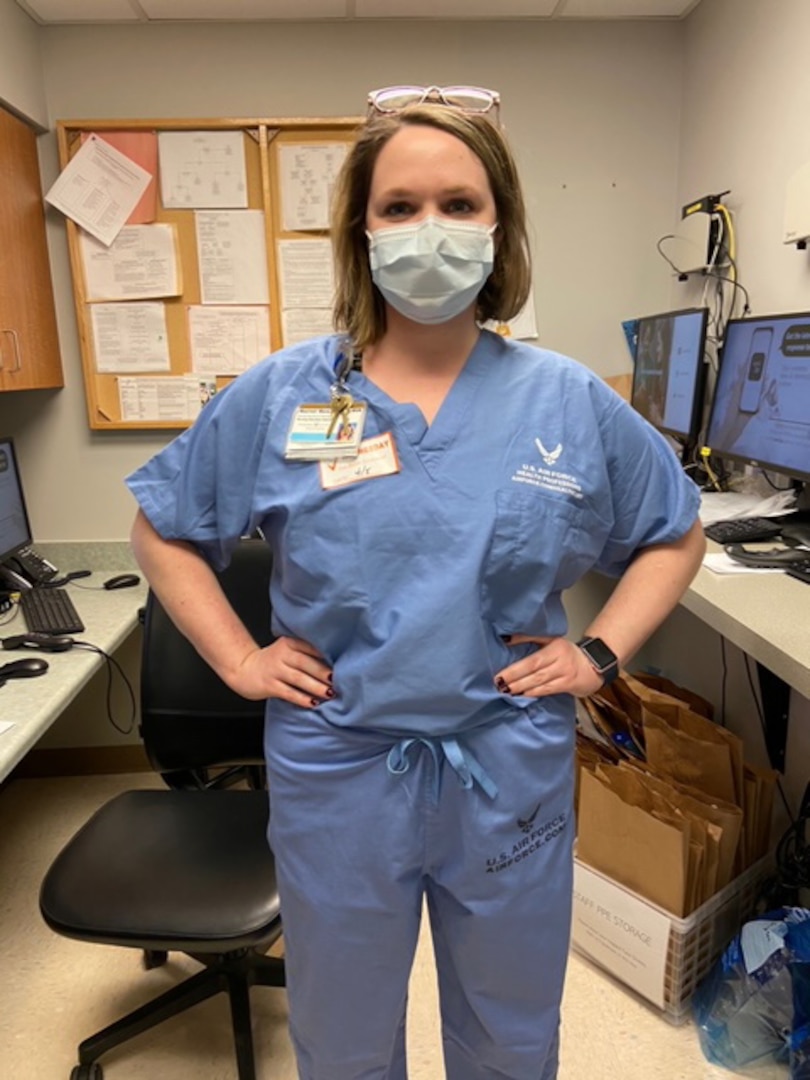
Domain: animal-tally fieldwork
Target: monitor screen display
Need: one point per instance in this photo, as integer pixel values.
(669, 372)
(761, 404)
(15, 531)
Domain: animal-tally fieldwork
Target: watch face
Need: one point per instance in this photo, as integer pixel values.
(599, 653)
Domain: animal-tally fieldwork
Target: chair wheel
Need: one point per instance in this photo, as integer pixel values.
(152, 958)
(87, 1072)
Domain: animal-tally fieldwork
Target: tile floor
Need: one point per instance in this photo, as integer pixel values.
(53, 992)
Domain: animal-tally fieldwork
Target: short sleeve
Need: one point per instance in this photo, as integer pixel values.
(653, 500)
(200, 487)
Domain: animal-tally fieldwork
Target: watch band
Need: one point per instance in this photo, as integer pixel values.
(601, 657)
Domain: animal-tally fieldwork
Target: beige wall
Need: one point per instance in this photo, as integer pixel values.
(593, 111)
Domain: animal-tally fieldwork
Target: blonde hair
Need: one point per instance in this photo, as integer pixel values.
(359, 307)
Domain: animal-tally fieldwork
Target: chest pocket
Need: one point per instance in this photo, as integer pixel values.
(540, 545)
(321, 556)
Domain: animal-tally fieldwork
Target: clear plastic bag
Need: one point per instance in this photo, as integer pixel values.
(754, 1005)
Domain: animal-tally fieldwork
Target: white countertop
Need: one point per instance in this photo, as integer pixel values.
(31, 705)
(767, 615)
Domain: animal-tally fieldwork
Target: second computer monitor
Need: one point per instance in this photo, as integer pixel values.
(761, 404)
(15, 531)
(669, 373)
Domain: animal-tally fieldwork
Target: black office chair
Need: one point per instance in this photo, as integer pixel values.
(187, 868)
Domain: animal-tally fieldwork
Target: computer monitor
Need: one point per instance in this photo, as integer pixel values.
(15, 529)
(669, 373)
(760, 412)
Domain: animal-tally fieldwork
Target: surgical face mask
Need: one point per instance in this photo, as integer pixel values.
(430, 272)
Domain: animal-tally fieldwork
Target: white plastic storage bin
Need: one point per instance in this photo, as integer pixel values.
(655, 954)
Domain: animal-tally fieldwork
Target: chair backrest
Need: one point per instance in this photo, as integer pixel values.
(189, 718)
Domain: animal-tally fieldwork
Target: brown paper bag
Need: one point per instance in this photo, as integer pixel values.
(638, 788)
(589, 754)
(763, 784)
(666, 686)
(701, 763)
(631, 845)
(725, 817)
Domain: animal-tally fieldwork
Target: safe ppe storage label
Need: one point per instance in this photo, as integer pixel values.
(621, 932)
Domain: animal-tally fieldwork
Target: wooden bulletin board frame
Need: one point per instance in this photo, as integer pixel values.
(262, 140)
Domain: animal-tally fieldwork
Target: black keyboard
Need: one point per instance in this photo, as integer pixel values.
(743, 530)
(50, 611)
(800, 571)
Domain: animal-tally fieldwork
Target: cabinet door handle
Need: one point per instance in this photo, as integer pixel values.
(15, 337)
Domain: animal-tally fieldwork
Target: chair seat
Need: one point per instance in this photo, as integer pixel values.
(195, 874)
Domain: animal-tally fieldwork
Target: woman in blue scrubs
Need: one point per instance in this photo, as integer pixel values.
(420, 690)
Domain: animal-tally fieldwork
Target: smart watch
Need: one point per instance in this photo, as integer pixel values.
(603, 659)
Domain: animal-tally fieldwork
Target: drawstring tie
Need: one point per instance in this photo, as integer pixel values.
(459, 757)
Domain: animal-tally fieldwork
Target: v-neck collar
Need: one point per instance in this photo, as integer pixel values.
(409, 418)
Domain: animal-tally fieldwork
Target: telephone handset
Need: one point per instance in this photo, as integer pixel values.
(27, 568)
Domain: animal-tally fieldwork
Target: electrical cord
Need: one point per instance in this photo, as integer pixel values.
(113, 665)
(757, 703)
(737, 285)
(663, 254)
(793, 855)
(761, 715)
(792, 858)
(723, 681)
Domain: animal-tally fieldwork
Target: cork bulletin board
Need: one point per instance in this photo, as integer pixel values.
(226, 259)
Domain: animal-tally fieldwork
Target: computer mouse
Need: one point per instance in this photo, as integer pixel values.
(122, 581)
(24, 669)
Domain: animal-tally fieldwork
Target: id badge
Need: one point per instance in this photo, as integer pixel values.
(314, 435)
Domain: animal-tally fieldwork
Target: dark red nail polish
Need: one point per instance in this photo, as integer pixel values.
(330, 692)
(314, 702)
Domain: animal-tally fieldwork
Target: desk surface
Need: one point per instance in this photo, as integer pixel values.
(766, 615)
(32, 705)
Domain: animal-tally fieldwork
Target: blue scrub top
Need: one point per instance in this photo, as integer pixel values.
(533, 472)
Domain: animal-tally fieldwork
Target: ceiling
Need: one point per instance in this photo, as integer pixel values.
(52, 12)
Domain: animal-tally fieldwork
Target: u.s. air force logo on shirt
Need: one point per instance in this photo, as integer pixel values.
(545, 475)
(549, 456)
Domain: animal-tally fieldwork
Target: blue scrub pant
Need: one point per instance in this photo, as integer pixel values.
(358, 848)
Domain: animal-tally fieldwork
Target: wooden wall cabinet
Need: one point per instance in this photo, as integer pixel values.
(29, 345)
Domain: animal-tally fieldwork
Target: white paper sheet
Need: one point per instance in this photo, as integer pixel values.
(200, 169)
(720, 563)
(99, 188)
(306, 273)
(729, 505)
(130, 337)
(227, 340)
(141, 263)
(232, 256)
(308, 175)
(173, 397)
(301, 324)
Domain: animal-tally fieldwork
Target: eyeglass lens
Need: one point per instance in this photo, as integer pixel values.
(469, 98)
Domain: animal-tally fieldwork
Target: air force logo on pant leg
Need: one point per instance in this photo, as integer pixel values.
(534, 839)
